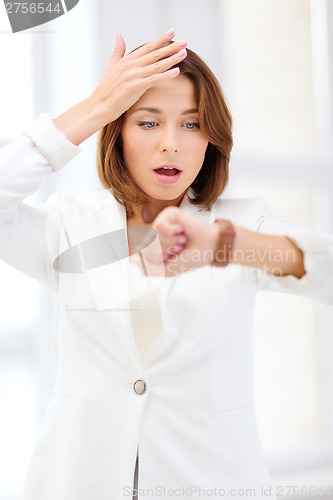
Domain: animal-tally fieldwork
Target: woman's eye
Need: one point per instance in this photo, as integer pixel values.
(147, 124)
(192, 126)
(189, 126)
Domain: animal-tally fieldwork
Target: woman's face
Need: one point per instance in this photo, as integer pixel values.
(162, 129)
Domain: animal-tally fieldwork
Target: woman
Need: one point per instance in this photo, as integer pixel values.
(159, 402)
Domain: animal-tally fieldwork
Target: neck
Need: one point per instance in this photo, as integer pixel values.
(148, 212)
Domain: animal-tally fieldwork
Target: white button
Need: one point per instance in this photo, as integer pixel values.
(139, 387)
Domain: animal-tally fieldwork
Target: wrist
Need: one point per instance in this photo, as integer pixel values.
(224, 242)
(98, 110)
(81, 121)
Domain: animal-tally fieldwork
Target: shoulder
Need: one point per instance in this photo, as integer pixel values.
(246, 212)
(59, 208)
(94, 200)
(79, 219)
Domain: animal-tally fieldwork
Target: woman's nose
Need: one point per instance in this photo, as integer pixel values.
(169, 141)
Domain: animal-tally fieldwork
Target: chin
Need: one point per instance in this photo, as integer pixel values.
(165, 193)
(168, 194)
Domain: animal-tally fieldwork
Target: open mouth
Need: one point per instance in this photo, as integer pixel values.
(167, 175)
(167, 171)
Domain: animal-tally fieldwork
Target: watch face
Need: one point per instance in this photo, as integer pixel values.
(28, 14)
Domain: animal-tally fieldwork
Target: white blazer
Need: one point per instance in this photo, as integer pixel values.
(189, 408)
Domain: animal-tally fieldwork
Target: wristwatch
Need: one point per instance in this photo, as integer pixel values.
(225, 242)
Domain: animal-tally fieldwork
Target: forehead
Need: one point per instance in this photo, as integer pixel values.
(179, 90)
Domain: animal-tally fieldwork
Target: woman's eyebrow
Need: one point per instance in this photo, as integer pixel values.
(158, 111)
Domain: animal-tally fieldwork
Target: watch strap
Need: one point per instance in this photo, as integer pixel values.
(225, 243)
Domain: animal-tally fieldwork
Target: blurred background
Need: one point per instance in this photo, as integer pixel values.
(274, 60)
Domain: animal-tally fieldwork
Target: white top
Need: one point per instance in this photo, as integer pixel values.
(146, 314)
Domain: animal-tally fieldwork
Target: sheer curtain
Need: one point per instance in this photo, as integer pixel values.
(48, 68)
(277, 77)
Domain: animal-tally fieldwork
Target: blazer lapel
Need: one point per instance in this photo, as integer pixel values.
(109, 283)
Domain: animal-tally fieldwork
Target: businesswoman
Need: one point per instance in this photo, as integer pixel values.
(155, 279)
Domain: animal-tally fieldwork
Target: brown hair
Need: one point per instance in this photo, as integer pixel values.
(214, 120)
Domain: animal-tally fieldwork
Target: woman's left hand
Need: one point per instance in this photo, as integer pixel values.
(161, 258)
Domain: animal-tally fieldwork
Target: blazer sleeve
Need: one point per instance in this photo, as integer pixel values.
(317, 250)
(41, 151)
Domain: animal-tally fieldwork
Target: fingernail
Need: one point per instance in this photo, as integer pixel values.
(182, 239)
(181, 53)
(116, 38)
(170, 32)
(179, 231)
(182, 42)
(177, 248)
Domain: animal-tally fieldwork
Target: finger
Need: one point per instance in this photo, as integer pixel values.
(169, 228)
(179, 229)
(177, 239)
(162, 53)
(168, 244)
(170, 233)
(182, 239)
(175, 249)
(153, 45)
(119, 50)
(163, 66)
(187, 221)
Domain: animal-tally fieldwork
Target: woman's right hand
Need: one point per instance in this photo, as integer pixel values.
(124, 80)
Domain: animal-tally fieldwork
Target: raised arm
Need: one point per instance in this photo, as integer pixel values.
(124, 81)
(317, 250)
(276, 255)
(23, 168)
(47, 145)
(289, 258)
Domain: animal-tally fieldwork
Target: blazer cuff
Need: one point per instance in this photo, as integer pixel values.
(317, 263)
(51, 142)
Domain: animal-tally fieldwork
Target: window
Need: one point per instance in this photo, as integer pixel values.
(16, 100)
(276, 56)
(37, 76)
(18, 411)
